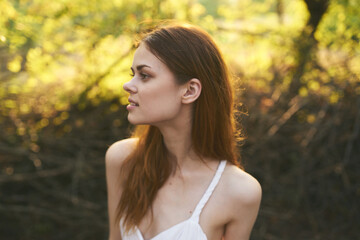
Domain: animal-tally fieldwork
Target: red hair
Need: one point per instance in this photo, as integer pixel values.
(189, 52)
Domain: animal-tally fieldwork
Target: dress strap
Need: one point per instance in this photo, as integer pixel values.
(209, 191)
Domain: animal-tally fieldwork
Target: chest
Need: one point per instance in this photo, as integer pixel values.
(178, 198)
(176, 202)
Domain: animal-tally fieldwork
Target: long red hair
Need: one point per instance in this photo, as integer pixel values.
(189, 52)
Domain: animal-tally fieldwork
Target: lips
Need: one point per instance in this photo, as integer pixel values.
(132, 102)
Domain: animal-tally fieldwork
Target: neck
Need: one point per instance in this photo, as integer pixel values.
(178, 141)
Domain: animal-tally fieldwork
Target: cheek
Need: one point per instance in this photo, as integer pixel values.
(164, 104)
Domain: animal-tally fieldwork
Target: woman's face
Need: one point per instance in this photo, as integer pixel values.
(155, 97)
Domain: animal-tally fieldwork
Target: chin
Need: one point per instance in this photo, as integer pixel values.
(134, 121)
(156, 122)
(131, 121)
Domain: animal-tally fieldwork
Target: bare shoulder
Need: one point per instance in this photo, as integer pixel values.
(242, 193)
(242, 189)
(119, 151)
(114, 157)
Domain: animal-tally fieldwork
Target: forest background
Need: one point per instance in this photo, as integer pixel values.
(62, 67)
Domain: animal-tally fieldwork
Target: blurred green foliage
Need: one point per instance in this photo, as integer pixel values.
(63, 64)
(54, 54)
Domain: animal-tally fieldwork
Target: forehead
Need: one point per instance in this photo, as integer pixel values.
(144, 56)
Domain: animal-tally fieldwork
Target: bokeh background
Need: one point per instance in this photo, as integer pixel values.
(62, 67)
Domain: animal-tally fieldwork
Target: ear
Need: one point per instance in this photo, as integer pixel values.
(192, 91)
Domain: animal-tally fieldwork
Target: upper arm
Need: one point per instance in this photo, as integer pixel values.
(114, 157)
(246, 200)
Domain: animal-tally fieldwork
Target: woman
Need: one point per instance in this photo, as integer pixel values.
(178, 177)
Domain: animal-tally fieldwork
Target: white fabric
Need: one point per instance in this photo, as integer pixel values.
(189, 229)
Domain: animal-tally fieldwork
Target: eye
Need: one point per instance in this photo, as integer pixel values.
(144, 76)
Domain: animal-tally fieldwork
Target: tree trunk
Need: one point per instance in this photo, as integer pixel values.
(306, 42)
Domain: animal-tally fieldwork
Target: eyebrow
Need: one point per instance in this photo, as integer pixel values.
(139, 67)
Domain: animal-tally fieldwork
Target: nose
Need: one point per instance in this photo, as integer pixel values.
(130, 87)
